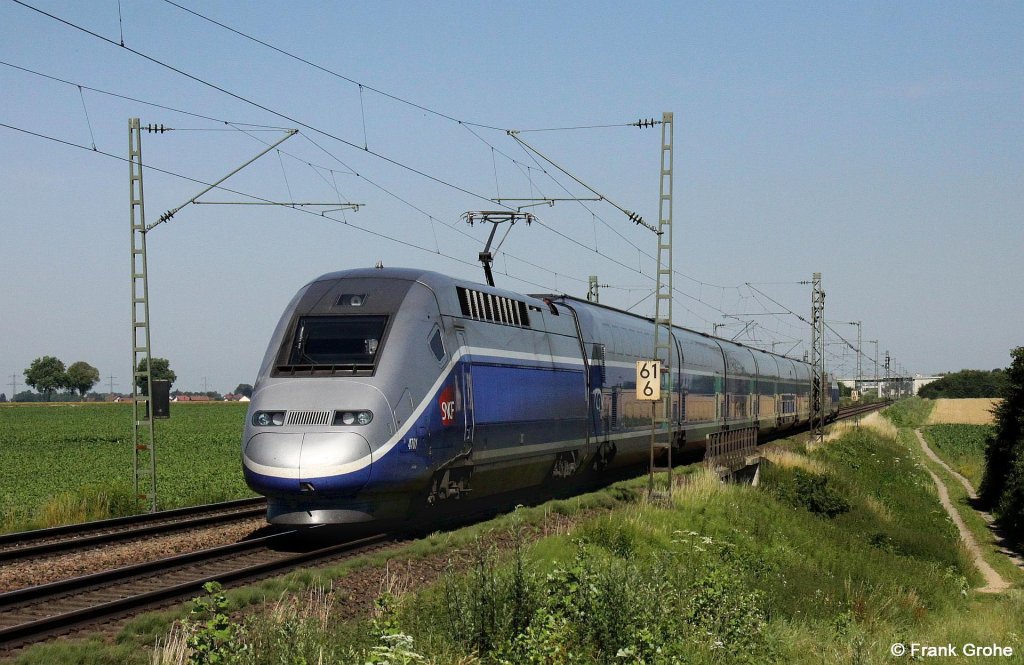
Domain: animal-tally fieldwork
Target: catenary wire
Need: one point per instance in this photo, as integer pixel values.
(331, 72)
(385, 236)
(256, 104)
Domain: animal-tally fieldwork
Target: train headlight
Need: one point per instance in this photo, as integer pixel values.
(353, 417)
(268, 418)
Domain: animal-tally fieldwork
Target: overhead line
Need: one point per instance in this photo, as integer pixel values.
(361, 86)
(778, 303)
(332, 72)
(624, 238)
(834, 332)
(633, 217)
(566, 129)
(139, 101)
(262, 107)
(297, 209)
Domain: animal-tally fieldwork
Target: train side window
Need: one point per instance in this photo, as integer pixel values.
(437, 345)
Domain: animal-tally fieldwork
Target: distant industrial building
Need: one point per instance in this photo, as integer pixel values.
(895, 386)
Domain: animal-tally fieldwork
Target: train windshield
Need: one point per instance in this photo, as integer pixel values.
(337, 341)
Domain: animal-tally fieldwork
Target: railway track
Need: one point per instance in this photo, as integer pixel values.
(29, 545)
(861, 409)
(38, 613)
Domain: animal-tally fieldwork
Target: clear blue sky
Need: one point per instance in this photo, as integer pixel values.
(881, 144)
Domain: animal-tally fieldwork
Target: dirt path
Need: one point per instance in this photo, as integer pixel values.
(994, 583)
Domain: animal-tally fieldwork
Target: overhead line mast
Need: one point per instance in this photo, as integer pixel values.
(143, 440)
(817, 358)
(143, 411)
(663, 301)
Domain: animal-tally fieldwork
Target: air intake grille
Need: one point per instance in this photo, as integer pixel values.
(309, 417)
(496, 309)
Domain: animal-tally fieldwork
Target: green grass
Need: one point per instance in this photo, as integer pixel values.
(962, 447)
(67, 463)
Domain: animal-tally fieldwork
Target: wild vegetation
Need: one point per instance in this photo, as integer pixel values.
(69, 463)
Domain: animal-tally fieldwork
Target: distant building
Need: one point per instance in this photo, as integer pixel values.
(192, 398)
(905, 385)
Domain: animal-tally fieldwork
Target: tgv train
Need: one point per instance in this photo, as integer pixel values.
(384, 390)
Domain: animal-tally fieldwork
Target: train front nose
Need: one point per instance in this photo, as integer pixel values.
(286, 464)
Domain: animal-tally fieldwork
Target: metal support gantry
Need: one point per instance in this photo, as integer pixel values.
(661, 412)
(143, 439)
(817, 358)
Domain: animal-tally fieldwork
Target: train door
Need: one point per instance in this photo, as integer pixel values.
(599, 415)
(465, 383)
(594, 375)
(679, 413)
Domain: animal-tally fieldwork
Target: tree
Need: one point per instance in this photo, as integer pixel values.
(3, 398)
(1002, 487)
(160, 369)
(967, 383)
(46, 374)
(82, 377)
(244, 389)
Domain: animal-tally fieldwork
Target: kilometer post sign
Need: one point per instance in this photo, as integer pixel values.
(648, 380)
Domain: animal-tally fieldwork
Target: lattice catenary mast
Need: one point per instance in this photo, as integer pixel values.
(663, 301)
(817, 359)
(143, 441)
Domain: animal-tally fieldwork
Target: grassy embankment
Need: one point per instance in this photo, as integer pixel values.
(842, 552)
(67, 463)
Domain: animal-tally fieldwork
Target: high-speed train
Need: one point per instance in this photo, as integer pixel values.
(386, 390)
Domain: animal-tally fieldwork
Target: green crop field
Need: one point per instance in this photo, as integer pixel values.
(962, 447)
(71, 462)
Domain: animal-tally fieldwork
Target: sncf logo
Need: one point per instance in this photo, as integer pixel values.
(447, 404)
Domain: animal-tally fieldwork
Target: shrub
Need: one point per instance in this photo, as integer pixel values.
(212, 637)
(811, 492)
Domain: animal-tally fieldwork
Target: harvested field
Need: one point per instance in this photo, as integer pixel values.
(977, 411)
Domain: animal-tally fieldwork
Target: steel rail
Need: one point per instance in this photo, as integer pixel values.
(35, 630)
(24, 544)
(125, 521)
(851, 411)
